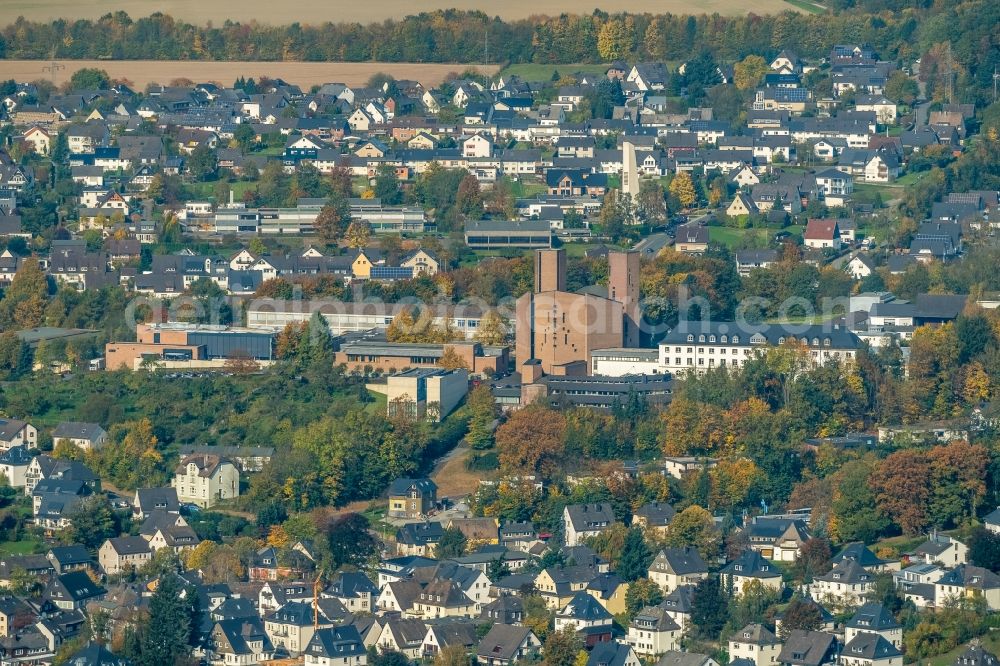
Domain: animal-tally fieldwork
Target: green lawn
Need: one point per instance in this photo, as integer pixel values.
(805, 6)
(991, 643)
(24, 547)
(533, 72)
(911, 178)
(576, 250)
(527, 188)
(730, 236)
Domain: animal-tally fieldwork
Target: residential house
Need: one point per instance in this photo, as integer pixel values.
(583, 612)
(847, 583)
(653, 632)
(748, 260)
(422, 262)
(44, 466)
(968, 581)
(167, 530)
(586, 520)
(944, 550)
(975, 655)
(680, 466)
(70, 558)
(777, 538)
(17, 433)
(84, 436)
(654, 516)
(403, 635)
(336, 646)
(874, 618)
(442, 598)
(354, 590)
(270, 564)
(205, 480)
(120, 554)
(506, 609)
(504, 645)
(73, 590)
(868, 649)
(290, 628)
(682, 658)
(418, 538)
(398, 596)
(991, 521)
(558, 585)
(860, 266)
(755, 643)
(148, 500)
(820, 234)
(860, 553)
(14, 464)
(239, 641)
(808, 648)
(449, 634)
(412, 498)
(691, 238)
(39, 139)
(836, 186)
(613, 653)
(749, 566)
(674, 567)
(609, 590)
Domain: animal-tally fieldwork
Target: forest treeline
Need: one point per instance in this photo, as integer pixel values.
(901, 29)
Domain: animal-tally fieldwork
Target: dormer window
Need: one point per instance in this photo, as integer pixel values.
(701, 338)
(690, 338)
(736, 339)
(781, 341)
(724, 339)
(815, 342)
(711, 338)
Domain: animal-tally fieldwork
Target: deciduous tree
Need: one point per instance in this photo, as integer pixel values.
(531, 440)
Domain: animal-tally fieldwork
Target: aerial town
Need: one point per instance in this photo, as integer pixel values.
(660, 352)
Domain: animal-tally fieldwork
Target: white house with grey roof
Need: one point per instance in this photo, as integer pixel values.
(678, 658)
(848, 583)
(586, 520)
(674, 567)
(943, 549)
(505, 644)
(756, 643)
(874, 618)
(84, 436)
(777, 538)
(653, 632)
(14, 463)
(869, 649)
(120, 554)
(14, 432)
(699, 346)
(751, 566)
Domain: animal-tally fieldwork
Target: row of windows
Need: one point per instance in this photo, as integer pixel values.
(756, 339)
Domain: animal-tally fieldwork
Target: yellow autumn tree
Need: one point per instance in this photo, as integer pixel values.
(277, 536)
(731, 481)
(748, 72)
(492, 329)
(613, 40)
(400, 329)
(682, 187)
(359, 234)
(450, 360)
(976, 385)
